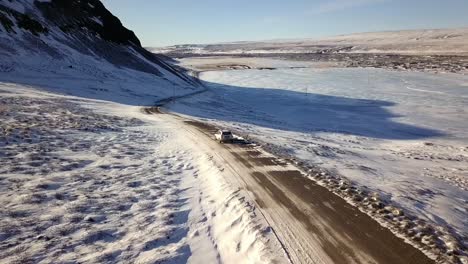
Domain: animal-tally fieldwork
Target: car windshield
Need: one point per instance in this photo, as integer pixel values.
(226, 133)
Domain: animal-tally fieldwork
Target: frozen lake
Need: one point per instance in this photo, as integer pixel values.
(370, 102)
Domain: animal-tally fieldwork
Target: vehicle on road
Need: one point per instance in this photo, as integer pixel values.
(224, 136)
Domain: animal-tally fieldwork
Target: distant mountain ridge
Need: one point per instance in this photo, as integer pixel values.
(425, 42)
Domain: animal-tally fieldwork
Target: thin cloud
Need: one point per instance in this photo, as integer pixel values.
(337, 5)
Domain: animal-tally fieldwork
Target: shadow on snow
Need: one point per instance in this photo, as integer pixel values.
(273, 108)
(300, 112)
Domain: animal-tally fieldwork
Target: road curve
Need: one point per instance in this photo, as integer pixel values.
(313, 224)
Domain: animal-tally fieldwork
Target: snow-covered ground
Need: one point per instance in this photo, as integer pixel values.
(401, 134)
(91, 181)
(86, 176)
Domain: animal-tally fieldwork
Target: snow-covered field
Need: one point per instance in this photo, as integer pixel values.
(91, 181)
(403, 135)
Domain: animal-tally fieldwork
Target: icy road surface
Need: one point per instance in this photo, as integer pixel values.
(402, 134)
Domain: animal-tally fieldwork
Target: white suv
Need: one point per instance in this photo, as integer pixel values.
(224, 136)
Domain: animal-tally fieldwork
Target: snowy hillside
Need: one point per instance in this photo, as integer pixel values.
(86, 176)
(436, 41)
(81, 43)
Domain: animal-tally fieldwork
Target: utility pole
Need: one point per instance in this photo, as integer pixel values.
(368, 79)
(173, 95)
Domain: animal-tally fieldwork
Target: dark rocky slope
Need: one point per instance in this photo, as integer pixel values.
(83, 25)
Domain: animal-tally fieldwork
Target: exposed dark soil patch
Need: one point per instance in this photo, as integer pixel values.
(242, 160)
(253, 153)
(235, 67)
(293, 174)
(206, 128)
(263, 161)
(152, 110)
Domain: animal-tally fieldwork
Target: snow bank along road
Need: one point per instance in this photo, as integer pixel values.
(313, 224)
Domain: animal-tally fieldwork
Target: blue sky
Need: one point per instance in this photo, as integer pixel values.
(168, 22)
